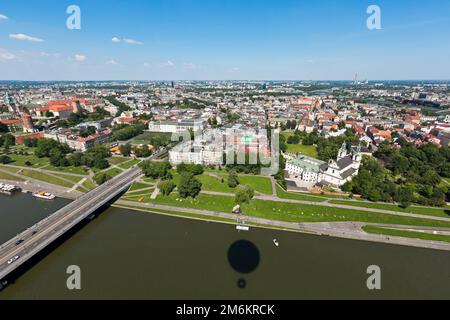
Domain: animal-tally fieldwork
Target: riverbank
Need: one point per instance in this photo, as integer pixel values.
(33, 187)
(345, 230)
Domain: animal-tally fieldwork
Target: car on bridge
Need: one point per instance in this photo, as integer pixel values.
(19, 242)
(13, 259)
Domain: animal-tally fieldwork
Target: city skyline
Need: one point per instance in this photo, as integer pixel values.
(198, 40)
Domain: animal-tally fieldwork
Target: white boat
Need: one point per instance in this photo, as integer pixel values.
(44, 195)
(242, 228)
(275, 242)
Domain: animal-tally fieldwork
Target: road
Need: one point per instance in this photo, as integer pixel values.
(46, 231)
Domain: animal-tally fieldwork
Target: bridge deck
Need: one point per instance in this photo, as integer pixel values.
(49, 229)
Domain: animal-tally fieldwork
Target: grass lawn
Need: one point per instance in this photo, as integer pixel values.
(179, 214)
(19, 160)
(138, 186)
(129, 164)
(89, 185)
(46, 178)
(117, 160)
(10, 169)
(297, 196)
(113, 172)
(149, 180)
(260, 184)
(290, 212)
(215, 184)
(75, 170)
(310, 151)
(439, 212)
(147, 137)
(6, 176)
(75, 179)
(406, 234)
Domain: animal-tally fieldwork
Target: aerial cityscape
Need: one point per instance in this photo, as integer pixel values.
(269, 181)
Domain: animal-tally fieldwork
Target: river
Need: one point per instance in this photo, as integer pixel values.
(125, 254)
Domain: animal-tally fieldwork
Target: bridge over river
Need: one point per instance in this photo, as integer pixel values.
(24, 246)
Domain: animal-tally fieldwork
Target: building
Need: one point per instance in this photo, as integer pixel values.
(79, 143)
(198, 153)
(308, 172)
(178, 126)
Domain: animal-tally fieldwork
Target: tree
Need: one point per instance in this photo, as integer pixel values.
(189, 186)
(244, 194)
(125, 149)
(166, 187)
(3, 128)
(8, 140)
(101, 178)
(100, 163)
(156, 170)
(233, 179)
(195, 169)
(5, 159)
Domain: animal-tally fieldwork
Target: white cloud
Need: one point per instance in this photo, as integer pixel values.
(6, 55)
(24, 37)
(126, 40)
(3, 17)
(112, 62)
(168, 64)
(189, 66)
(80, 58)
(147, 65)
(131, 41)
(235, 69)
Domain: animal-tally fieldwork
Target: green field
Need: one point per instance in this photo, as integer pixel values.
(179, 214)
(439, 212)
(45, 178)
(19, 160)
(147, 137)
(89, 185)
(406, 234)
(10, 169)
(117, 160)
(138, 186)
(129, 164)
(290, 212)
(215, 184)
(297, 196)
(310, 151)
(113, 172)
(6, 176)
(75, 170)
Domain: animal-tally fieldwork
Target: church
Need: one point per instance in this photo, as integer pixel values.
(309, 172)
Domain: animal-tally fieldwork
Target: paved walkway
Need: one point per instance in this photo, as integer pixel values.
(348, 230)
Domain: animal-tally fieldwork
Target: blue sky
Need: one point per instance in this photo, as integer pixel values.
(224, 39)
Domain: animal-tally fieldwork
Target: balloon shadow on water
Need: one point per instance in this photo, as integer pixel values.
(244, 256)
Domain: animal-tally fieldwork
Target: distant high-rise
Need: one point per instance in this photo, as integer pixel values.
(172, 84)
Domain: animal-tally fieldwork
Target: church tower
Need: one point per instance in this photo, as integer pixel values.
(342, 152)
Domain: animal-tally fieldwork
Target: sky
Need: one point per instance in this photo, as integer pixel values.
(224, 40)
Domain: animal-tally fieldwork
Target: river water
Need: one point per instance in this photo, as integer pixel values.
(124, 254)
